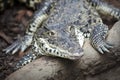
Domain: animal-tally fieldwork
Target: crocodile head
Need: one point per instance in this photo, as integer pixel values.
(59, 34)
(60, 40)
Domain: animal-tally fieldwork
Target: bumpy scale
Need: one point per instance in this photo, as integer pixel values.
(62, 29)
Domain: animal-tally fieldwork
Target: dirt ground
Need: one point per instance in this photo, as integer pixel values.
(13, 23)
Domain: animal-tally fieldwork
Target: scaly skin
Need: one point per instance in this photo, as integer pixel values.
(62, 29)
(36, 21)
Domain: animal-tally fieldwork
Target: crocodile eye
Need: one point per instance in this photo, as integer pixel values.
(51, 33)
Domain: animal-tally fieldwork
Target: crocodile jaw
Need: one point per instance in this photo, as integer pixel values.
(51, 50)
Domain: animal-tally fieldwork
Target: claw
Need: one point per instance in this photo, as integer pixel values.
(8, 49)
(100, 50)
(23, 48)
(108, 45)
(105, 49)
(15, 49)
(19, 45)
(11, 47)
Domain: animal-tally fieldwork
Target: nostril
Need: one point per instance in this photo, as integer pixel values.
(46, 49)
(70, 28)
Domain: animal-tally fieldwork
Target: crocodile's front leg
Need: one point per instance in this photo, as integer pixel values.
(25, 60)
(39, 16)
(105, 9)
(98, 36)
(42, 47)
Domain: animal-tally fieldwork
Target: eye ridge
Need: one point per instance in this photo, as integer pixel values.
(51, 33)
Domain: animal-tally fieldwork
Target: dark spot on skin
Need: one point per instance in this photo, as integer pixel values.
(50, 50)
(29, 30)
(89, 21)
(33, 25)
(57, 52)
(46, 49)
(79, 17)
(24, 64)
(94, 21)
(77, 22)
(42, 44)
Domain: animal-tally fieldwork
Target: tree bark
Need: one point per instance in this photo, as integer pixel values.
(91, 64)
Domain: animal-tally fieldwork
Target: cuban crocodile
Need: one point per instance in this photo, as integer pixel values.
(58, 28)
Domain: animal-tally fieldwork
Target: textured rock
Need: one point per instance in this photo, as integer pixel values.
(113, 74)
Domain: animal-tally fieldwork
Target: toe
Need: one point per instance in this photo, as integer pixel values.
(23, 47)
(100, 50)
(105, 49)
(108, 45)
(15, 49)
(10, 48)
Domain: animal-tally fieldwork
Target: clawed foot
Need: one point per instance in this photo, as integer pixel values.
(21, 45)
(98, 36)
(103, 47)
